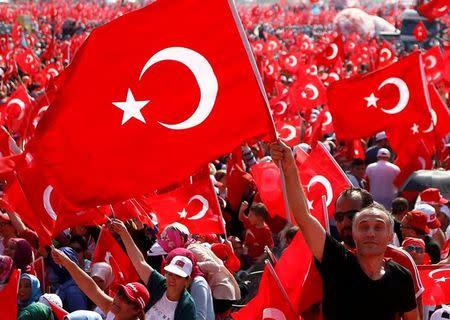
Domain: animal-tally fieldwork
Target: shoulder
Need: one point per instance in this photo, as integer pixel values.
(187, 306)
(399, 272)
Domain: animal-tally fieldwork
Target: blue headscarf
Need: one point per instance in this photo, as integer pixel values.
(83, 315)
(61, 272)
(35, 289)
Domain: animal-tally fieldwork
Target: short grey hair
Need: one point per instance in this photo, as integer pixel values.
(378, 208)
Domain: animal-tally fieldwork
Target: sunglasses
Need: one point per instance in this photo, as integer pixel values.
(411, 248)
(339, 216)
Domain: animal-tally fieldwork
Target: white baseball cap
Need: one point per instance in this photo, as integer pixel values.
(380, 136)
(383, 152)
(432, 222)
(180, 265)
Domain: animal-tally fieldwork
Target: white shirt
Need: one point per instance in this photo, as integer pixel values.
(164, 309)
(381, 181)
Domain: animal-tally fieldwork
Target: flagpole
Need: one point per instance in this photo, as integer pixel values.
(285, 197)
(113, 214)
(325, 213)
(280, 285)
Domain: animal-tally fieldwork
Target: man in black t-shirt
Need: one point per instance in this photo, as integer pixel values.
(363, 285)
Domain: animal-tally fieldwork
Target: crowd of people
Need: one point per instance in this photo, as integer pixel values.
(367, 259)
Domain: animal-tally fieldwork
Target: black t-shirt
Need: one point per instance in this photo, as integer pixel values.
(348, 293)
(433, 249)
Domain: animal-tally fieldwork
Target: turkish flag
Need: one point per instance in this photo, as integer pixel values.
(16, 111)
(320, 173)
(332, 53)
(89, 217)
(327, 123)
(268, 181)
(307, 92)
(434, 9)
(8, 297)
(289, 131)
(441, 114)
(274, 304)
(194, 205)
(27, 61)
(386, 55)
(434, 64)
(436, 281)
(386, 98)
(8, 146)
(314, 132)
(109, 251)
(38, 269)
(118, 96)
(411, 157)
(420, 31)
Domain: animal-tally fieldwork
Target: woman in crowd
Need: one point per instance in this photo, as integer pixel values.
(21, 252)
(29, 290)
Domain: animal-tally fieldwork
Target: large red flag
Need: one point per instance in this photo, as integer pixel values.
(140, 96)
(16, 111)
(194, 205)
(8, 297)
(435, 281)
(433, 62)
(386, 55)
(434, 9)
(109, 250)
(380, 100)
(440, 114)
(275, 304)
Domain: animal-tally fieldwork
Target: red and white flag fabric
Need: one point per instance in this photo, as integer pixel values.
(274, 302)
(386, 98)
(104, 128)
(238, 181)
(16, 111)
(332, 53)
(420, 31)
(433, 62)
(321, 175)
(440, 114)
(434, 9)
(194, 205)
(108, 250)
(436, 281)
(8, 297)
(289, 131)
(386, 55)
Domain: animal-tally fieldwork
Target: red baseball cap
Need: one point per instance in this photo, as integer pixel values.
(418, 220)
(137, 293)
(413, 242)
(224, 253)
(432, 195)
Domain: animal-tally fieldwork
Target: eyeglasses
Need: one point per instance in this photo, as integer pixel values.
(339, 216)
(412, 248)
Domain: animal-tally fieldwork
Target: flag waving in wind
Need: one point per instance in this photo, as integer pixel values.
(145, 91)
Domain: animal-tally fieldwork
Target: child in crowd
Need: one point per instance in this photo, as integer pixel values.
(257, 233)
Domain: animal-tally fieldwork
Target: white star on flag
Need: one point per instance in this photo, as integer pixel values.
(415, 128)
(131, 108)
(443, 279)
(183, 213)
(371, 100)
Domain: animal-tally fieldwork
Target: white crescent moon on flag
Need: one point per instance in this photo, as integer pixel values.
(205, 207)
(52, 72)
(328, 117)
(47, 204)
(433, 121)
(273, 313)
(292, 61)
(442, 9)
(327, 185)
(334, 75)
(29, 59)
(204, 75)
(21, 105)
(387, 52)
(315, 91)
(431, 62)
(283, 105)
(334, 52)
(403, 91)
(292, 132)
(432, 273)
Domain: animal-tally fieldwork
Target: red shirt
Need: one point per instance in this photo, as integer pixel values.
(257, 238)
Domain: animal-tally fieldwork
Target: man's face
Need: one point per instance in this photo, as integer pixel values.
(371, 233)
(358, 171)
(175, 283)
(346, 208)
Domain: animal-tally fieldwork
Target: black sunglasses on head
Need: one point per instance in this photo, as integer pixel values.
(339, 216)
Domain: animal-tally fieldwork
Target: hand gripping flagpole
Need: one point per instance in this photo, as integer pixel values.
(325, 213)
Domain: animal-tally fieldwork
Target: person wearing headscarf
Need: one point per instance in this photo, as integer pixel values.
(71, 295)
(6, 265)
(36, 311)
(83, 315)
(198, 287)
(103, 276)
(29, 290)
(21, 252)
